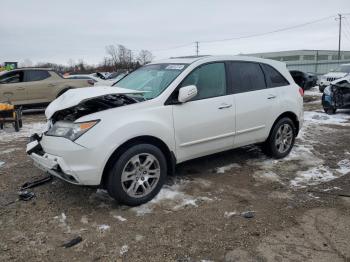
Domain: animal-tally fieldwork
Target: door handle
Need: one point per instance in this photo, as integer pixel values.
(20, 88)
(223, 106)
(51, 85)
(271, 97)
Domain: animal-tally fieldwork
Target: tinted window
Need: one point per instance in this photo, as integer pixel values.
(273, 77)
(209, 79)
(36, 75)
(246, 77)
(12, 77)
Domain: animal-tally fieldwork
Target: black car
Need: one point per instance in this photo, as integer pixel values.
(304, 80)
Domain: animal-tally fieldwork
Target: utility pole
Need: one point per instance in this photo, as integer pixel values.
(197, 48)
(339, 43)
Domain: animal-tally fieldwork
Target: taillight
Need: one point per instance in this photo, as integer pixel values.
(91, 82)
(301, 91)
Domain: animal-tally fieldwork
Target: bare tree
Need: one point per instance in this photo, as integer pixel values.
(145, 57)
(113, 53)
(26, 63)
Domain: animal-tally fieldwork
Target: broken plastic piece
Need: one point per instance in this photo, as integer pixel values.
(36, 182)
(73, 242)
(248, 214)
(25, 195)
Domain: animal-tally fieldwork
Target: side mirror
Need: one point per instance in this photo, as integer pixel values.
(186, 93)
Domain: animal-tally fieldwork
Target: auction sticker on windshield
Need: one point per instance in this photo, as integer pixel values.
(175, 67)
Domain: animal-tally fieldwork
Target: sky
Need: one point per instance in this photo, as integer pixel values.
(56, 31)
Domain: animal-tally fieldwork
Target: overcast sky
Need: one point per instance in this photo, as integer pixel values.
(58, 30)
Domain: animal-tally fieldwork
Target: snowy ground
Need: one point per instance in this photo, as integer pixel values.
(200, 214)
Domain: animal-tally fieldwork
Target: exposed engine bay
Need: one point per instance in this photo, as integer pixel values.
(341, 94)
(94, 105)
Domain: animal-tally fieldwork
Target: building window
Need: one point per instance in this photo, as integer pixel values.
(309, 57)
(322, 57)
(291, 58)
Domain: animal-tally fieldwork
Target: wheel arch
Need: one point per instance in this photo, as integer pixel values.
(290, 115)
(63, 90)
(169, 155)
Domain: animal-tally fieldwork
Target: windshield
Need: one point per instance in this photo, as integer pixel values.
(151, 78)
(343, 68)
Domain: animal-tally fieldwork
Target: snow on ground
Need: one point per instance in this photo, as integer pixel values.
(9, 150)
(120, 218)
(344, 166)
(103, 227)
(1, 163)
(8, 133)
(314, 91)
(313, 176)
(324, 119)
(172, 197)
(223, 169)
(124, 249)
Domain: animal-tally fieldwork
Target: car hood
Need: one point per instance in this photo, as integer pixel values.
(335, 74)
(73, 97)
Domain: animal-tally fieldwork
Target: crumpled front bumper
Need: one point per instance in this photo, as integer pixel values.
(65, 159)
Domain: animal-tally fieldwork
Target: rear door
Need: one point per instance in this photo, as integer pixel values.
(205, 124)
(256, 105)
(37, 86)
(12, 87)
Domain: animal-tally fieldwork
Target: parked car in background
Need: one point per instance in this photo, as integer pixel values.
(304, 80)
(340, 72)
(93, 80)
(128, 138)
(35, 86)
(336, 95)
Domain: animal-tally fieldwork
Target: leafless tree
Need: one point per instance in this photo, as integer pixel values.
(145, 57)
(26, 63)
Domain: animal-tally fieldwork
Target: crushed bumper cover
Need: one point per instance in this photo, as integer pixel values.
(65, 159)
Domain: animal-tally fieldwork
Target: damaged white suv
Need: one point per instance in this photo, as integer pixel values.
(129, 137)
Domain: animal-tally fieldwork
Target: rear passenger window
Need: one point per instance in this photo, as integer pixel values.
(209, 79)
(273, 77)
(246, 77)
(36, 75)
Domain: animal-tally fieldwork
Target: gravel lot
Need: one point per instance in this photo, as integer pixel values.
(299, 205)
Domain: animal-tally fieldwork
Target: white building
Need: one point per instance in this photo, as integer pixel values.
(315, 61)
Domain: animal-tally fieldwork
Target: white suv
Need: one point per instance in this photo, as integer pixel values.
(128, 138)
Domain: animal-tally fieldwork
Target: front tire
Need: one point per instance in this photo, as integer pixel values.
(281, 139)
(137, 175)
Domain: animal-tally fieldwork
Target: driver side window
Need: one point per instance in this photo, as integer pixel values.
(210, 80)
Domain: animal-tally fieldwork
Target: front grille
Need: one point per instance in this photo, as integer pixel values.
(330, 79)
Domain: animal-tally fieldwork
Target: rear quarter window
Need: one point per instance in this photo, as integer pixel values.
(273, 77)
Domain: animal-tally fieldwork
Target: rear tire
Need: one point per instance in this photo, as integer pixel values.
(137, 175)
(281, 139)
(330, 110)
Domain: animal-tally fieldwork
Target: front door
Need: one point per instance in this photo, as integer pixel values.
(38, 86)
(205, 124)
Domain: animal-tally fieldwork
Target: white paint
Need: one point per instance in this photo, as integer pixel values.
(225, 117)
